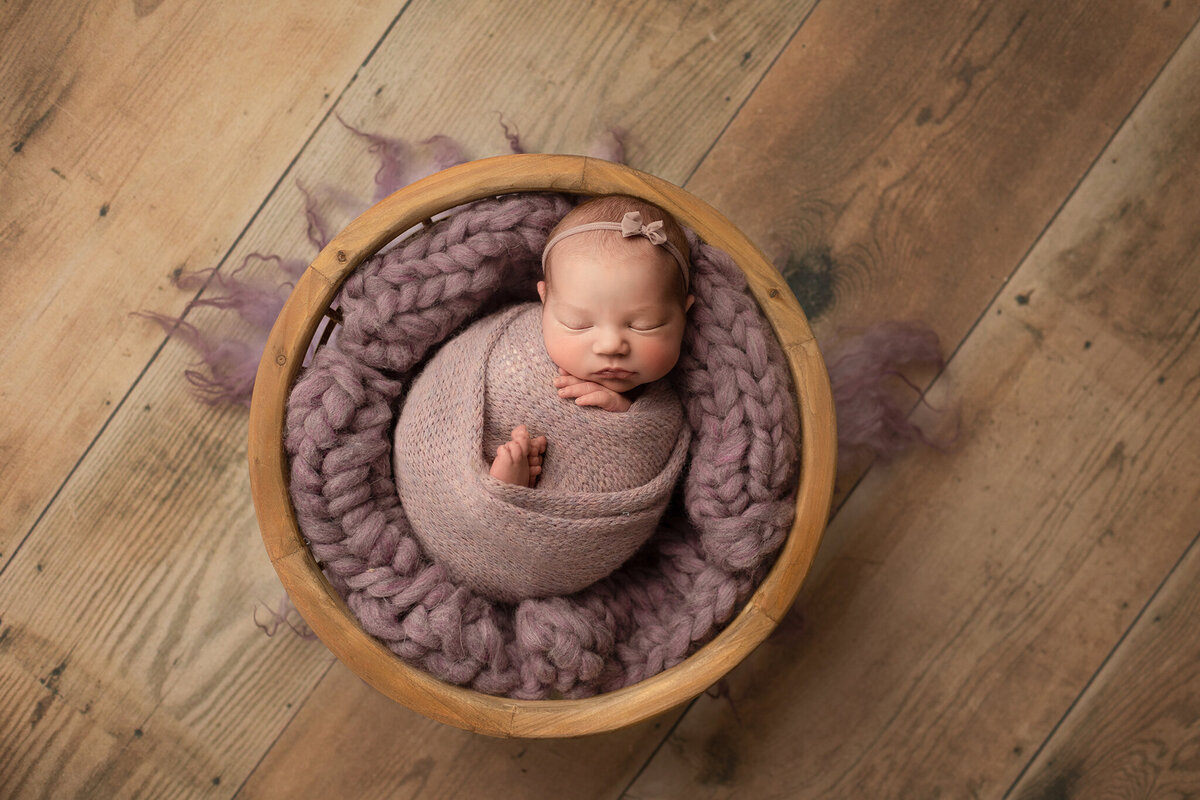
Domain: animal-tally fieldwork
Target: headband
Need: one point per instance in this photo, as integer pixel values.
(630, 225)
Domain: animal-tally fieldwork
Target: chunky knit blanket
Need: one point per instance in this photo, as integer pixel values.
(605, 482)
(688, 580)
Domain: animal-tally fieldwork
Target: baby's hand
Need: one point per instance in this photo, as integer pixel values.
(587, 393)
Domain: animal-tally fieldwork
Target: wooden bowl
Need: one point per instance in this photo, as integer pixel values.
(329, 616)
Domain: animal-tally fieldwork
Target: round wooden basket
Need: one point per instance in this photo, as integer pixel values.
(329, 616)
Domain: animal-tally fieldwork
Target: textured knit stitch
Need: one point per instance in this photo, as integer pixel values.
(606, 479)
(689, 579)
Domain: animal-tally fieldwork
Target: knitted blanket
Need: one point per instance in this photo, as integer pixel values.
(605, 483)
(671, 597)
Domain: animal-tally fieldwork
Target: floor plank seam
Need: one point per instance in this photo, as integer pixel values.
(1103, 665)
(687, 179)
(625, 792)
(386, 33)
(78, 462)
(1083, 416)
(221, 263)
(1067, 199)
(279, 735)
(1192, 30)
(745, 99)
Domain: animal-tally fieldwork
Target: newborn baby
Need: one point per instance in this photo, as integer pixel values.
(609, 327)
(613, 316)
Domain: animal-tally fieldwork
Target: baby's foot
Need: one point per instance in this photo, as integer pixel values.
(519, 461)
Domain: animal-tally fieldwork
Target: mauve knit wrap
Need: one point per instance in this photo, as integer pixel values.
(605, 482)
(689, 579)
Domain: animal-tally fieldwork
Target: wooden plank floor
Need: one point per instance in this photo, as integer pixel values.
(1016, 616)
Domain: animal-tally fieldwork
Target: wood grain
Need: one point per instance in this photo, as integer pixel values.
(670, 75)
(906, 158)
(130, 659)
(159, 512)
(1135, 732)
(377, 748)
(915, 152)
(123, 161)
(971, 596)
(609, 66)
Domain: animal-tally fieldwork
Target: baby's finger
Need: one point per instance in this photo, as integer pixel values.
(599, 397)
(579, 389)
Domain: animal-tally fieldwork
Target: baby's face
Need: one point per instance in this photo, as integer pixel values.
(612, 315)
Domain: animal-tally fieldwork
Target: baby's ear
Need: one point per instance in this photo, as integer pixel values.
(687, 304)
(541, 290)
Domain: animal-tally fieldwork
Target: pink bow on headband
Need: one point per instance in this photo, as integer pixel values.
(631, 225)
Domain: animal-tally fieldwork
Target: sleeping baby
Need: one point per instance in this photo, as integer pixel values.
(539, 448)
(615, 318)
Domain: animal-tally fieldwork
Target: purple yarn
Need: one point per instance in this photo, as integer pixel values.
(316, 228)
(671, 597)
(512, 135)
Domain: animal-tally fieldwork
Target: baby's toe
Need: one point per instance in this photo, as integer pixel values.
(520, 435)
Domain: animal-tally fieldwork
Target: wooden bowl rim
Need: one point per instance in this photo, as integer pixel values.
(328, 615)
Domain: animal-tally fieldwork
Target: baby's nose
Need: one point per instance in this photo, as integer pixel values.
(609, 341)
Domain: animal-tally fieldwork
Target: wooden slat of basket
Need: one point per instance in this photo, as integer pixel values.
(325, 611)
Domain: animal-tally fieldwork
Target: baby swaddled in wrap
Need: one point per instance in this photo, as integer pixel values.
(573, 490)
(605, 482)
(723, 526)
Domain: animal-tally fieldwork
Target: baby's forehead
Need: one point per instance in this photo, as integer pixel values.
(589, 249)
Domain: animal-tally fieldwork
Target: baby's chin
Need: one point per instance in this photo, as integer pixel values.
(619, 385)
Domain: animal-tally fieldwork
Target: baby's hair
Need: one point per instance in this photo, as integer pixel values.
(611, 208)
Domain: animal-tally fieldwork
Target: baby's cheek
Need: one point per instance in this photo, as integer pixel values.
(564, 353)
(660, 356)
